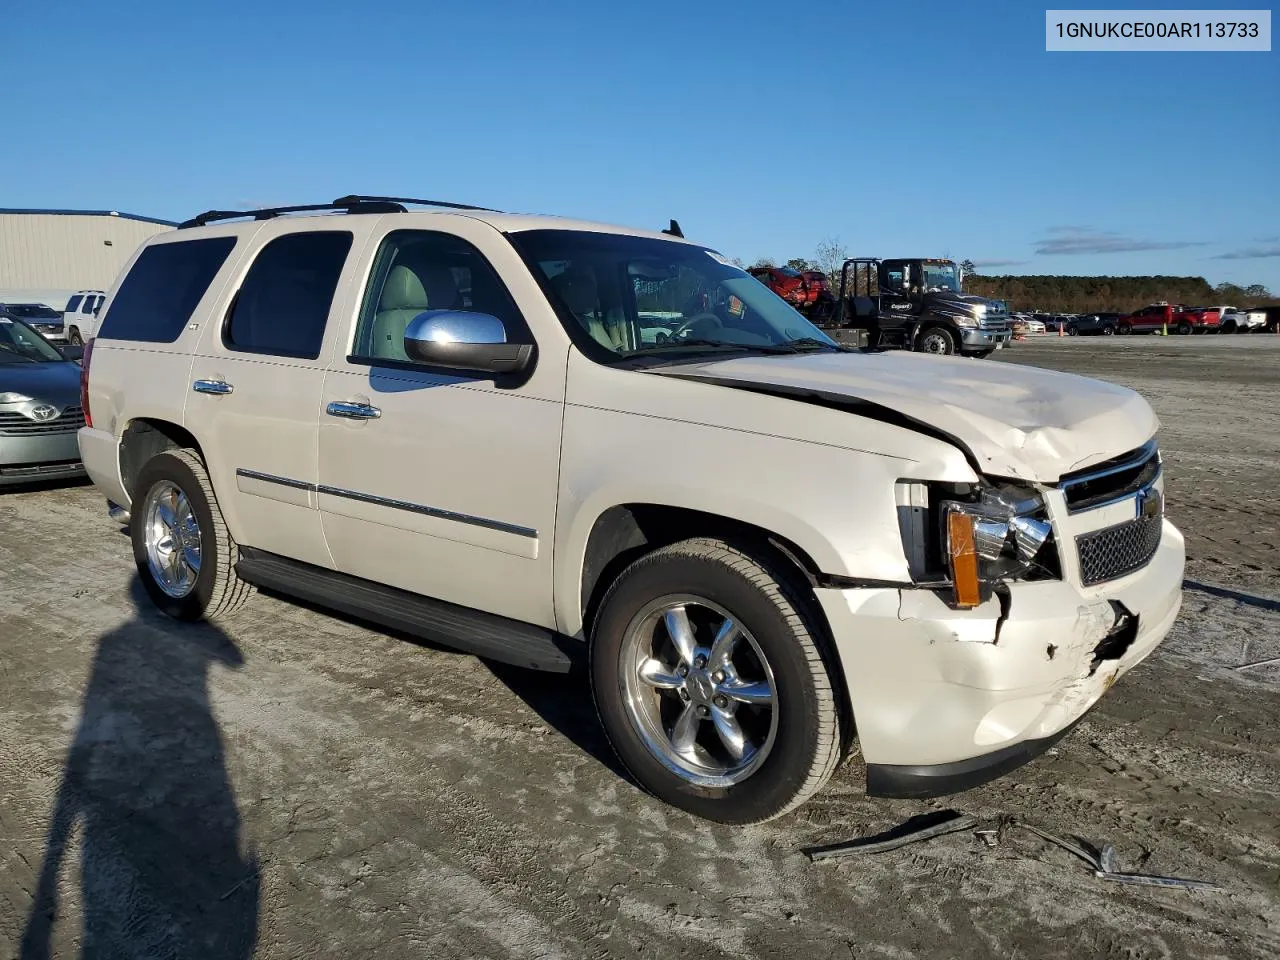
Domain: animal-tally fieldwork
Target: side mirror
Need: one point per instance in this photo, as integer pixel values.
(72, 351)
(460, 340)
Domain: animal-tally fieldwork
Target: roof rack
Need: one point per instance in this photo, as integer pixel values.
(349, 204)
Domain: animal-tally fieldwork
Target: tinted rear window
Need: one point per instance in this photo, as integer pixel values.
(163, 289)
(74, 303)
(283, 303)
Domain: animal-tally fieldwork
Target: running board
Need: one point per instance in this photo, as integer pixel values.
(471, 631)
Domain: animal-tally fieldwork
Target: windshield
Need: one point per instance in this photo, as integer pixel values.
(32, 311)
(643, 297)
(940, 276)
(20, 344)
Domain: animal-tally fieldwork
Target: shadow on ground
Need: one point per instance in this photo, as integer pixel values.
(146, 804)
(563, 701)
(1248, 599)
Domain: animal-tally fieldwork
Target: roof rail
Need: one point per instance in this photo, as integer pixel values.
(349, 204)
(356, 199)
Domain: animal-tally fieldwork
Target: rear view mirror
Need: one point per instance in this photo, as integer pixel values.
(72, 351)
(461, 340)
(651, 270)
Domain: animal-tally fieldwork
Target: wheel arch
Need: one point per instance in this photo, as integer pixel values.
(143, 438)
(626, 532)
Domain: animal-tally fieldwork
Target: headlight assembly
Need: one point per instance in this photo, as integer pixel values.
(973, 537)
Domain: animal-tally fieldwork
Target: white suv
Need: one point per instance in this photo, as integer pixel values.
(80, 318)
(531, 438)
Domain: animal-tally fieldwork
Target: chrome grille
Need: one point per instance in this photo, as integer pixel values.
(1113, 480)
(13, 424)
(1114, 551)
(997, 324)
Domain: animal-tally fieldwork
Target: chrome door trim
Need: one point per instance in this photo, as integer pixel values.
(499, 525)
(272, 478)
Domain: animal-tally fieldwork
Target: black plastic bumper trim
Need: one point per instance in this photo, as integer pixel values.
(941, 779)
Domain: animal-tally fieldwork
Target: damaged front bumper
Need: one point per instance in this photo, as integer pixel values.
(944, 699)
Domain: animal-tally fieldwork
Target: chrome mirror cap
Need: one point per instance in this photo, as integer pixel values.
(462, 340)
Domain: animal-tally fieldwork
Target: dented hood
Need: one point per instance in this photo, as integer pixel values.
(1014, 421)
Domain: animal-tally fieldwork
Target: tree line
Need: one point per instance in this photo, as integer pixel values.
(1065, 294)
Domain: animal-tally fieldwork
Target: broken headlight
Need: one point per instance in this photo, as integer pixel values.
(973, 536)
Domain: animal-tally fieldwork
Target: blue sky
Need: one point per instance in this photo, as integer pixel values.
(899, 128)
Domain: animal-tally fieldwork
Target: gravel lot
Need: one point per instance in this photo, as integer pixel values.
(300, 785)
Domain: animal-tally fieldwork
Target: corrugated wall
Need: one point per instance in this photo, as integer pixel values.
(47, 256)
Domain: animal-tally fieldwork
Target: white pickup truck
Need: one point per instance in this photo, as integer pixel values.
(542, 440)
(1235, 320)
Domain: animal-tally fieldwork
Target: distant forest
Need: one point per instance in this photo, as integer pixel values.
(1111, 294)
(1043, 294)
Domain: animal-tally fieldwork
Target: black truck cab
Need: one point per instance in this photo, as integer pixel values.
(918, 304)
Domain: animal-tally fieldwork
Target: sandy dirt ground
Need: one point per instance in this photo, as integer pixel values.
(298, 785)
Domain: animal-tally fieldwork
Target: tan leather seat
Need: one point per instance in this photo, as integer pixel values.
(577, 289)
(410, 289)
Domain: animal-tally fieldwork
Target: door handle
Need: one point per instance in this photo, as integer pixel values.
(219, 388)
(352, 411)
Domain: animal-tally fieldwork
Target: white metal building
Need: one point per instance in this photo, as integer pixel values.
(47, 255)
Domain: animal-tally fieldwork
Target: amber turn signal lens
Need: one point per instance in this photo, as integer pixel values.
(964, 559)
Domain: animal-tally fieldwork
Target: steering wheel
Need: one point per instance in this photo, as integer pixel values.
(687, 326)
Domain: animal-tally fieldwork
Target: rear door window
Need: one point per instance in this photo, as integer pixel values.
(283, 304)
(157, 298)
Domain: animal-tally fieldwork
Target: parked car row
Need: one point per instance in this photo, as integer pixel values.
(1157, 317)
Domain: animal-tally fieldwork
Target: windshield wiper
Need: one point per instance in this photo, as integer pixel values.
(692, 342)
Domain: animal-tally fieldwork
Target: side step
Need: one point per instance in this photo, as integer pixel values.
(482, 634)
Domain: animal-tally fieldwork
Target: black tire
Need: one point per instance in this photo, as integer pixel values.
(74, 338)
(980, 354)
(1229, 327)
(808, 743)
(1072, 331)
(1108, 331)
(218, 591)
(1124, 329)
(1183, 328)
(944, 337)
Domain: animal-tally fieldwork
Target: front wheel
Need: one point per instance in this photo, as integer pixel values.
(713, 685)
(1108, 331)
(74, 338)
(184, 554)
(937, 340)
(1124, 329)
(981, 354)
(1183, 328)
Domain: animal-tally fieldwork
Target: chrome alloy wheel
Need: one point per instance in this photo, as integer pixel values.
(935, 343)
(172, 536)
(698, 690)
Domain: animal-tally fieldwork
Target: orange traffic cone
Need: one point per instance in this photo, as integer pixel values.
(1059, 328)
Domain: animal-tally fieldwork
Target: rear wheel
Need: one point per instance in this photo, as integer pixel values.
(184, 554)
(1072, 331)
(937, 340)
(1183, 328)
(712, 684)
(1108, 331)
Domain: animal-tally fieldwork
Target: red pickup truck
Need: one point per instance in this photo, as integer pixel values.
(1173, 316)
